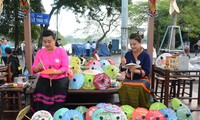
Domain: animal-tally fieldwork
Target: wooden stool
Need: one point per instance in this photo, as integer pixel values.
(11, 100)
(185, 83)
(161, 80)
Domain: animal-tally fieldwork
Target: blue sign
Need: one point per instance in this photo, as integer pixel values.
(39, 18)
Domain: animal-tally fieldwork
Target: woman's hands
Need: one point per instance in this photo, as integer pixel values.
(123, 62)
(39, 67)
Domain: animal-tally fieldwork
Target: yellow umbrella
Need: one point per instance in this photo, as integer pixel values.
(23, 113)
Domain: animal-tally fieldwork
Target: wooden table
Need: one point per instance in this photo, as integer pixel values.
(91, 97)
(167, 73)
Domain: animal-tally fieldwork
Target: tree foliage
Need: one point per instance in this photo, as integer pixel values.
(12, 25)
(187, 18)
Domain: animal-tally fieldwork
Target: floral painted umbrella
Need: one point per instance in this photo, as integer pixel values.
(42, 115)
(102, 81)
(82, 110)
(176, 103)
(90, 111)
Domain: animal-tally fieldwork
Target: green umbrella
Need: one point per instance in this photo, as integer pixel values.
(157, 106)
(128, 110)
(176, 103)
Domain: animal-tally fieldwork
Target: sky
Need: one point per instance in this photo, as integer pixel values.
(66, 20)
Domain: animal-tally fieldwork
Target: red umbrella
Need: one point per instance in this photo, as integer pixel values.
(90, 111)
(154, 115)
(139, 113)
(102, 81)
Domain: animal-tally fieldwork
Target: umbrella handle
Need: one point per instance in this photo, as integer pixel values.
(27, 117)
(50, 82)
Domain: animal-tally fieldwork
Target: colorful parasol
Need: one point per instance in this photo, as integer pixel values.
(90, 111)
(154, 115)
(88, 82)
(93, 62)
(42, 115)
(72, 115)
(94, 67)
(101, 114)
(50, 72)
(77, 81)
(139, 113)
(59, 113)
(157, 106)
(102, 81)
(23, 113)
(111, 61)
(169, 114)
(104, 64)
(119, 116)
(82, 110)
(184, 113)
(161, 60)
(112, 71)
(75, 60)
(76, 68)
(176, 103)
(128, 110)
(112, 108)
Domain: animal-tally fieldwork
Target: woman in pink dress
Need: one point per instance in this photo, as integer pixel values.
(51, 90)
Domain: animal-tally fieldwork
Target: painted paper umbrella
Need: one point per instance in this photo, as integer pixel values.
(88, 82)
(72, 115)
(77, 81)
(169, 114)
(59, 113)
(139, 113)
(94, 67)
(100, 105)
(23, 113)
(101, 114)
(104, 63)
(111, 61)
(154, 115)
(93, 62)
(161, 60)
(50, 71)
(119, 116)
(176, 103)
(90, 111)
(184, 113)
(112, 108)
(76, 68)
(75, 60)
(82, 110)
(102, 81)
(42, 115)
(157, 106)
(111, 71)
(128, 110)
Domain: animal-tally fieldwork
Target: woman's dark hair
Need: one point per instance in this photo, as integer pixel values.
(47, 33)
(136, 37)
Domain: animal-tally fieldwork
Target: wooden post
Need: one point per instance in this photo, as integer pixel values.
(28, 46)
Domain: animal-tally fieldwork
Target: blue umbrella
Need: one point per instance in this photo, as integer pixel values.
(77, 81)
(169, 114)
(72, 115)
(59, 113)
(184, 113)
(104, 64)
